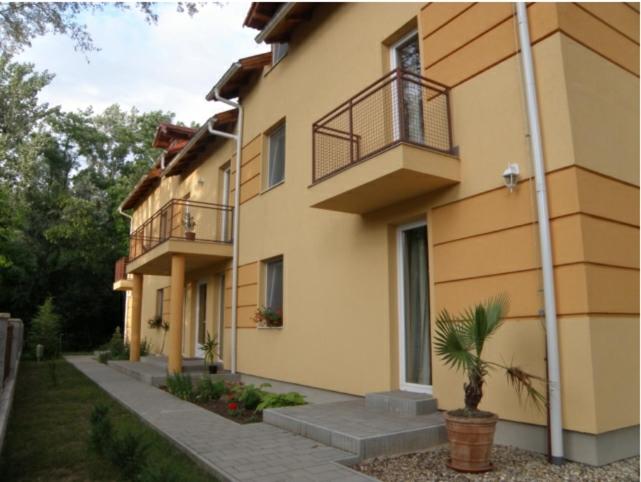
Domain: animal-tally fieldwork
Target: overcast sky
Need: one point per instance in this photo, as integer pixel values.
(169, 66)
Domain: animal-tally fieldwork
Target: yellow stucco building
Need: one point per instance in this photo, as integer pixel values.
(374, 142)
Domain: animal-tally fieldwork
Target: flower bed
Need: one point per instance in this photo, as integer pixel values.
(242, 403)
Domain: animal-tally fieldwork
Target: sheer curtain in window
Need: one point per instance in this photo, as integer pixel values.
(275, 285)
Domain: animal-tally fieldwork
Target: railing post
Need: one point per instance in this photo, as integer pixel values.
(401, 105)
(449, 121)
(313, 153)
(351, 131)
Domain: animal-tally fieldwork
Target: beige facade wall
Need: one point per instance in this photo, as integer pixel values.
(340, 310)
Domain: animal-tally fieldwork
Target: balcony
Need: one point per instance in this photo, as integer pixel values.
(200, 231)
(122, 282)
(390, 142)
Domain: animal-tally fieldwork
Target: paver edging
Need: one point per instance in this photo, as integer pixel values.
(209, 465)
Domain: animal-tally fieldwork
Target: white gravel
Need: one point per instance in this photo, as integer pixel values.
(511, 464)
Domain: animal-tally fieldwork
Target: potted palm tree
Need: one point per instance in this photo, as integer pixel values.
(210, 350)
(459, 342)
(189, 223)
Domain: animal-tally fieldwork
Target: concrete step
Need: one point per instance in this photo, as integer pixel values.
(365, 432)
(156, 374)
(401, 402)
(190, 365)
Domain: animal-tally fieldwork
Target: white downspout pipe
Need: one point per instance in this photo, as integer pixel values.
(554, 375)
(234, 269)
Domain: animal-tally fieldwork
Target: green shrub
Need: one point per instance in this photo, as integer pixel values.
(251, 396)
(45, 330)
(104, 357)
(127, 452)
(181, 386)
(101, 430)
(160, 472)
(276, 400)
(116, 346)
(208, 389)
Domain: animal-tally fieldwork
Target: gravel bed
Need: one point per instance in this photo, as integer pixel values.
(511, 464)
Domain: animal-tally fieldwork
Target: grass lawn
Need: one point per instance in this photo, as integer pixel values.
(48, 433)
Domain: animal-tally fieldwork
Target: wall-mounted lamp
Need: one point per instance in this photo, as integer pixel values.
(511, 176)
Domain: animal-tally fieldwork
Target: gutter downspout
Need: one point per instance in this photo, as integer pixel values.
(234, 270)
(131, 220)
(554, 377)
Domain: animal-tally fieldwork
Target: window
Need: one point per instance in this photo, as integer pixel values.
(279, 50)
(274, 284)
(276, 166)
(159, 294)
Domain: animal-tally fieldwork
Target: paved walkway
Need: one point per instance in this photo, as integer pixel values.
(234, 452)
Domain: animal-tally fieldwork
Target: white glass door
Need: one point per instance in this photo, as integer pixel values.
(201, 318)
(225, 221)
(413, 312)
(408, 116)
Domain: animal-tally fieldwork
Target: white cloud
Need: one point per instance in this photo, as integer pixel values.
(169, 66)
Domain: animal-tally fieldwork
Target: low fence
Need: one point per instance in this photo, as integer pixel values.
(11, 336)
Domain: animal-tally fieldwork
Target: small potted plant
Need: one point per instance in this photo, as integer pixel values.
(190, 225)
(268, 317)
(459, 342)
(210, 349)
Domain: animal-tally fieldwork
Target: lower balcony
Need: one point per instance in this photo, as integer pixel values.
(389, 143)
(122, 281)
(200, 231)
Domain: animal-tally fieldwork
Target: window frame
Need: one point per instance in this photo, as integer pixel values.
(275, 45)
(266, 264)
(160, 302)
(269, 135)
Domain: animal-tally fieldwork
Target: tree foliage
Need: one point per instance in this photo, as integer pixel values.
(21, 22)
(62, 177)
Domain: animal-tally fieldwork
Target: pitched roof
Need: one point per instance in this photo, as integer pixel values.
(191, 154)
(143, 188)
(166, 133)
(277, 21)
(239, 74)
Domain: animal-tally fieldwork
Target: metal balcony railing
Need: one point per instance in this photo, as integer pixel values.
(120, 269)
(399, 107)
(186, 220)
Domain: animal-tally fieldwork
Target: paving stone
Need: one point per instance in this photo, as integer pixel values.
(256, 452)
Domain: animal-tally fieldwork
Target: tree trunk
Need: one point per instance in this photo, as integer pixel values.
(473, 392)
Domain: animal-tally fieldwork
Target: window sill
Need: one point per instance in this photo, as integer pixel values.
(269, 327)
(270, 188)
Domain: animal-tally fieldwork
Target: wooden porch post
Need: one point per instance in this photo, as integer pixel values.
(136, 315)
(176, 313)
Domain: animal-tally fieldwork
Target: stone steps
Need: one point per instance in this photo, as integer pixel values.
(156, 374)
(384, 424)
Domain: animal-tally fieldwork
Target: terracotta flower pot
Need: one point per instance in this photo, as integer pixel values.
(190, 236)
(471, 440)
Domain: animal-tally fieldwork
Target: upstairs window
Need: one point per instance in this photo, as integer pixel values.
(276, 160)
(279, 50)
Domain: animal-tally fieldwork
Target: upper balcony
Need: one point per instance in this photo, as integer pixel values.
(400, 125)
(200, 231)
(122, 281)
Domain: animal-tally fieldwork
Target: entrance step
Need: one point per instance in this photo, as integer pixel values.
(156, 374)
(190, 365)
(401, 403)
(365, 432)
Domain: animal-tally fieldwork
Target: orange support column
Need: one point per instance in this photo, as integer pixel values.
(136, 315)
(176, 313)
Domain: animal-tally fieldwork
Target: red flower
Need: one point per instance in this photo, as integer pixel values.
(232, 406)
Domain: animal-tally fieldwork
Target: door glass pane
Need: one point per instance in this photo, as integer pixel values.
(408, 58)
(202, 312)
(417, 342)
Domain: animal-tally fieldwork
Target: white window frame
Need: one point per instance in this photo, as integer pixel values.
(266, 264)
(283, 48)
(280, 126)
(400, 262)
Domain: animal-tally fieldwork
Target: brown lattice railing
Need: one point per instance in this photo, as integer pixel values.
(186, 220)
(399, 107)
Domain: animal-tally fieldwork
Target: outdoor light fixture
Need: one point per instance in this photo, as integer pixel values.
(511, 176)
